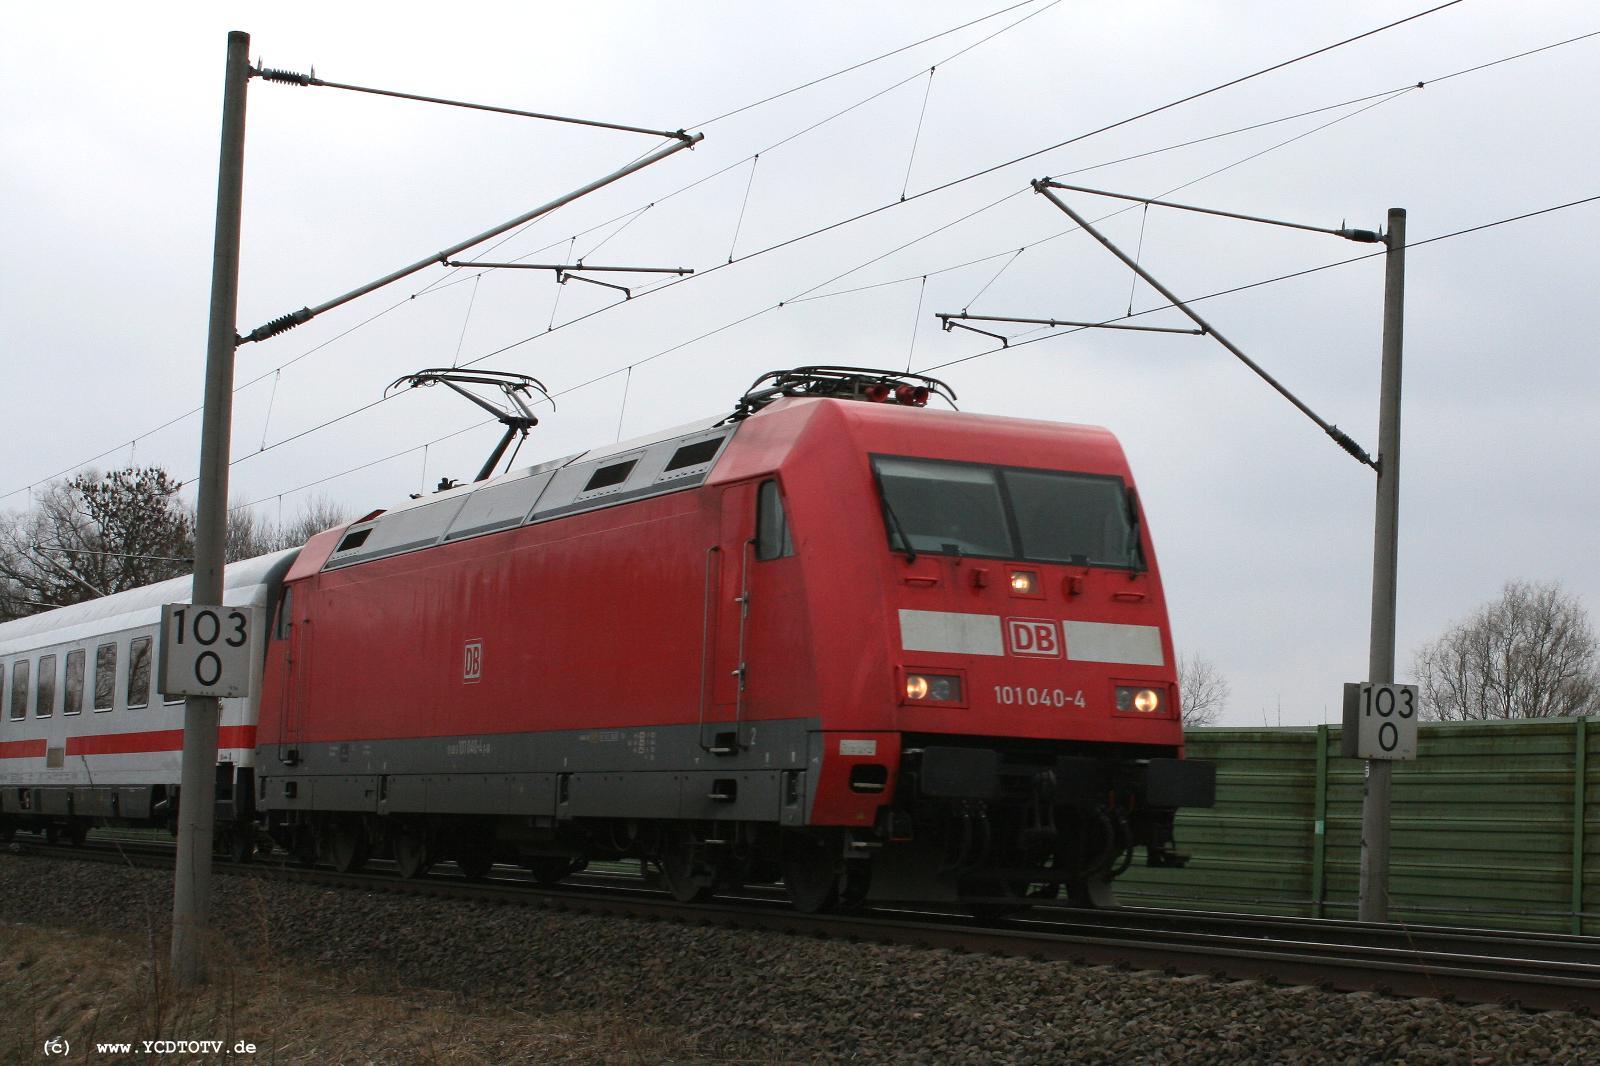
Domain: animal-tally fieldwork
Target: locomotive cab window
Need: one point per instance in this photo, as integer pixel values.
(44, 702)
(944, 508)
(72, 687)
(19, 688)
(139, 672)
(105, 677)
(1047, 516)
(773, 539)
(285, 605)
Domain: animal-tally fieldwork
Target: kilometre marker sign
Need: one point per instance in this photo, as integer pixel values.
(206, 651)
(1380, 721)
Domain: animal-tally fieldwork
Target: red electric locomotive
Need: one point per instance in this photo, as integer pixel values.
(837, 639)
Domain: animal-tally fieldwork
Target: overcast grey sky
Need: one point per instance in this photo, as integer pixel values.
(109, 118)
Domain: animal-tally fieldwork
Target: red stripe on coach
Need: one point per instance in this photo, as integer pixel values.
(22, 749)
(228, 736)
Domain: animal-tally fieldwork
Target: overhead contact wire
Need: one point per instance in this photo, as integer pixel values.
(926, 192)
(917, 137)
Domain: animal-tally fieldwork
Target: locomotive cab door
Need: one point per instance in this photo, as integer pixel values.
(725, 660)
(297, 679)
(755, 618)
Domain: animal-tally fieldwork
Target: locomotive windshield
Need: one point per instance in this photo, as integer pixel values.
(945, 508)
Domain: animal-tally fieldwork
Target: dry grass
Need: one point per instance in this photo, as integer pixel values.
(88, 988)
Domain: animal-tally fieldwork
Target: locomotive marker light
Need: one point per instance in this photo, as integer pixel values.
(207, 651)
(1380, 722)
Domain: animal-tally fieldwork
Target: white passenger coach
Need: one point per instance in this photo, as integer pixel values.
(85, 739)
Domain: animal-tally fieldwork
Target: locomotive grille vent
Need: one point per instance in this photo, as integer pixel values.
(694, 454)
(607, 476)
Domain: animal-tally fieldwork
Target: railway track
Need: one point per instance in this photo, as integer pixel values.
(1467, 965)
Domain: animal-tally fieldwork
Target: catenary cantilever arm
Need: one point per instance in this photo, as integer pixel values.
(1340, 437)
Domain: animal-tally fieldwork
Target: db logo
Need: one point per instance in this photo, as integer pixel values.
(1038, 637)
(472, 662)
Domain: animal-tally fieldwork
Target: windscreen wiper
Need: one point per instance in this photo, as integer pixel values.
(899, 530)
(1132, 500)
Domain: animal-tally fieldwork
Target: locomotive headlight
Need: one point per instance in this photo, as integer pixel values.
(932, 688)
(1023, 581)
(1143, 700)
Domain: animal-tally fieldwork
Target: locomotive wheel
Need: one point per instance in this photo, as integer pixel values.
(688, 879)
(997, 898)
(347, 845)
(550, 870)
(411, 851)
(475, 865)
(305, 846)
(811, 873)
(235, 844)
(853, 889)
(1091, 892)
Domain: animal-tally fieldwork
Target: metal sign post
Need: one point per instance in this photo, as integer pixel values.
(1374, 905)
(191, 896)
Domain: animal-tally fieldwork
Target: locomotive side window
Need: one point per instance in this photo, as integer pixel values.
(694, 454)
(44, 693)
(607, 476)
(105, 677)
(73, 683)
(19, 688)
(139, 672)
(773, 539)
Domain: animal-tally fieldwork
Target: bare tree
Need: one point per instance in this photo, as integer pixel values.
(1203, 689)
(318, 513)
(250, 535)
(1530, 654)
(93, 535)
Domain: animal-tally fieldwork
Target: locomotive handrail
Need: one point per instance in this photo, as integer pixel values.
(705, 647)
(741, 672)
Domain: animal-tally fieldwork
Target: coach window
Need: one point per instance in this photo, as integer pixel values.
(44, 702)
(773, 540)
(72, 687)
(19, 688)
(139, 672)
(105, 677)
(170, 700)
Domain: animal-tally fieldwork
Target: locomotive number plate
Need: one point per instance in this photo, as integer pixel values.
(1023, 696)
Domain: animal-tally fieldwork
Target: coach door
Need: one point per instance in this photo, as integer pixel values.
(725, 665)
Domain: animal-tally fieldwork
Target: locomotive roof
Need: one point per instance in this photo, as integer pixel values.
(140, 606)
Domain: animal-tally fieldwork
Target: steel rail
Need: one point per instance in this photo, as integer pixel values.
(1352, 957)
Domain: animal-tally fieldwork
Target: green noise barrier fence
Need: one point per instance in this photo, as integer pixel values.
(1495, 824)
